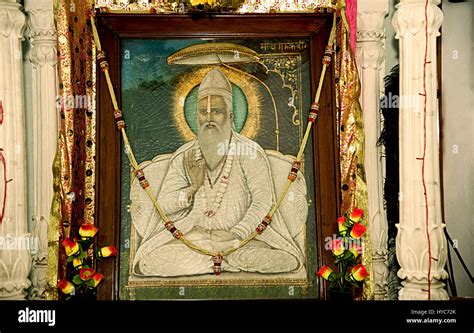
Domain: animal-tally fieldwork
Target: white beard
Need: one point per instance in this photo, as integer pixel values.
(210, 139)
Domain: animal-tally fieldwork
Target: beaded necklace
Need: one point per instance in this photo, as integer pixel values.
(222, 181)
(223, 176)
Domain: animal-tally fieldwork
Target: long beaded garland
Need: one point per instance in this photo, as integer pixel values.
(217, 256)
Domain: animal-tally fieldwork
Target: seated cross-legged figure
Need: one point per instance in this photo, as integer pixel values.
(217, 190)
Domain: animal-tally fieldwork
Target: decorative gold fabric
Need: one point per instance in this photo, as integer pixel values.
(351, 141)
(74, 166)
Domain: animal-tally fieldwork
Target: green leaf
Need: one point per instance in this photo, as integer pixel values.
(82, 255)
(77, 279)
(89, 283)
(347, 255)
(332, 284)
(70, 258)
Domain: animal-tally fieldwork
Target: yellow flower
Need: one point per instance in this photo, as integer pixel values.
(77, 263)
(356, 250)
(341, 225)
(325, 272)
(107, 251)
(71, 247)
(97, 278)
(66, 287)
(87, 230)
(359, 273)
(337, 247)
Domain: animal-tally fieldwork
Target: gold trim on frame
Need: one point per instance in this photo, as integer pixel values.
(211, 283)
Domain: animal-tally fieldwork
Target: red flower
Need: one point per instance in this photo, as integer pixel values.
(107, 251)
(97, 278)
(341, 226)
(66, 287)
(356, 215)
(357, 230)
(325, 272)
(337, 247)
(359, 273)
(87, 230)
(86, 273)
(71, 247)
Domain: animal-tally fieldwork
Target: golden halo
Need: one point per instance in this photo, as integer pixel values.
(188, 81)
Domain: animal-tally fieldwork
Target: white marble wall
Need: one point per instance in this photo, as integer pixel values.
(458, 135)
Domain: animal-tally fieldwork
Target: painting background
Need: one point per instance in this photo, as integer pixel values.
(148, 102)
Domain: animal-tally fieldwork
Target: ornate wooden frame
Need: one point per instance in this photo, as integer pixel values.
(114, 27)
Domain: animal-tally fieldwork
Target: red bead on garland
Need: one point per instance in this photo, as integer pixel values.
(217, 264)
(119, 119)
(313, 112)
(294, 170)
(327, 56)
(104, 65)
(174, 231)
(264, 224)
(141, 177)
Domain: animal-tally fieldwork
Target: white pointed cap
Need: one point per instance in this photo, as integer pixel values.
(215, 83)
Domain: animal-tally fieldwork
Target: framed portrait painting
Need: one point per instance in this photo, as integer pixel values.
(216, 108)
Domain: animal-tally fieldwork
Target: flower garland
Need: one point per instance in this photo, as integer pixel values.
(217, 256)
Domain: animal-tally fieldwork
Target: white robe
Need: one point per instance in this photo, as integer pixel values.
(248, 197)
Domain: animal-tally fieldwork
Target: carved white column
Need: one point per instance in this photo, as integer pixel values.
(15, 259)
(370, 57)
(412, 244)
(42, 35)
